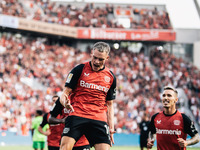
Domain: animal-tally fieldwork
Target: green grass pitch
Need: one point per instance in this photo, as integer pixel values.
(112, 148)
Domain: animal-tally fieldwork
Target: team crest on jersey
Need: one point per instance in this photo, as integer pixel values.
(69, 77)
(86, 74)
(158, 121)
(177, 122)
(107, 79)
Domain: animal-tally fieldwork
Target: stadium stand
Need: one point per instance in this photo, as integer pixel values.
(86, 15)
(34, 68)
(45, 64)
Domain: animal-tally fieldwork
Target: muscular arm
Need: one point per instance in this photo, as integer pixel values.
(193, 140)
(190, 129)
(183, 143)
(64, 98)
(152, 132)
(57, 110)
(48, 132)
(54, 120)
(151, 139)
(110, 117)
(71, 82)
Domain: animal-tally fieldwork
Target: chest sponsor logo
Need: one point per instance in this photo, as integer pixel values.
(86, 74)
(158, 121)
(69, 77)
(93, 86)
(169, 132)
(177, 122)
(107, 79)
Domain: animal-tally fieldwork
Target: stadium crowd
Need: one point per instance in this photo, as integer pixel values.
(87, 15)
(180, 74)
(32, 71)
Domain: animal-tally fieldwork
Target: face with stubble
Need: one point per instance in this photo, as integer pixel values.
(98, 59)
(169, 99)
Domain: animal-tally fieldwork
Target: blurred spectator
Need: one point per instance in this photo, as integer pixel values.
(144, 132)
(86, 14)
(32, 70)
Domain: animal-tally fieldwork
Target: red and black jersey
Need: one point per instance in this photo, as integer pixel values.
(59, 110)
(56, 131)
(170, 127)
(90, 91)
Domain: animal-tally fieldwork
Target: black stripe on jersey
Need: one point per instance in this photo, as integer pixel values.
(44, 120)
(76, 71)
(189, 127)
(112, 91)
(151, 126)
(57, 109)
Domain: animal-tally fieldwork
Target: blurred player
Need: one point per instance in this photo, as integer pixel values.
(170, 126)
(144, 132)
(60, 110)
(91, 87)
(56, 119)
(54, 135)
(38, 138)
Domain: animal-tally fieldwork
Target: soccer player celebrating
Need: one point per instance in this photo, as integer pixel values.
(170, 126)
(91, 87)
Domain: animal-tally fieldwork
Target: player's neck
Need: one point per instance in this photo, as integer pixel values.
(169, 111)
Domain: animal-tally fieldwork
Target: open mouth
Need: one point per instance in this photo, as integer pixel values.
(165, 102)
(96, 65)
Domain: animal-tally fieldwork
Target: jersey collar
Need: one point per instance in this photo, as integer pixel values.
(171, 114)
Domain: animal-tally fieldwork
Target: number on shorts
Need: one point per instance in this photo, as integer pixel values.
(107, 128)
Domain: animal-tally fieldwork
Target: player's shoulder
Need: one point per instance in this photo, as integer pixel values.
(80, 66)
(185, 117)
(112, 73)
(156, 114)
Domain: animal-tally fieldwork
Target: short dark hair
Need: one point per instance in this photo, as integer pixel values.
(55, 96)
(39, 112)
(171, 88)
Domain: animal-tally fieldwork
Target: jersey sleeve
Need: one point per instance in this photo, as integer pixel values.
(189, 127)
(112, 91)
(73, 76)
(44, 120)
(57, 109)
(151, 125)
